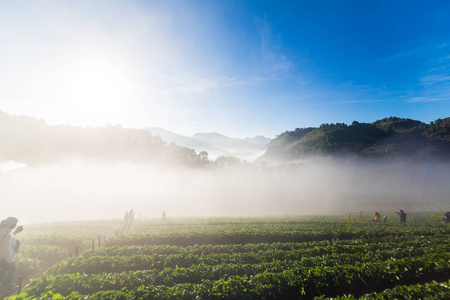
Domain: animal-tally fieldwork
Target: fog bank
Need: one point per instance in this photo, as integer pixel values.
(80, 191)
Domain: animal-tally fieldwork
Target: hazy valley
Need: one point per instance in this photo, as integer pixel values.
(75, 173)
(217, 144)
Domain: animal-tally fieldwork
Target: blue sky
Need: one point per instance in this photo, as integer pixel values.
(241, 68)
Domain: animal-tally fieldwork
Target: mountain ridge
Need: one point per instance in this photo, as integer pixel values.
(216, 144)
(386, 138)
(31, 141)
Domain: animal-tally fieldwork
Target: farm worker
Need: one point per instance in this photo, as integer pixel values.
(9, 245)
(402, 215)
(384, 220)
(446, 217)
(376, 217)
(130, 219)
(126, 218)
(164, 215)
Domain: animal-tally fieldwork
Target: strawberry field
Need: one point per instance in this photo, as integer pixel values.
(258, 258)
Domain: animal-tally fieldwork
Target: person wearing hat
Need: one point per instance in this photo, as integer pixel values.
(9, 245)
(402, 215)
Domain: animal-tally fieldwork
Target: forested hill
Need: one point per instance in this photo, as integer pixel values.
(387, 138)
(31, 141)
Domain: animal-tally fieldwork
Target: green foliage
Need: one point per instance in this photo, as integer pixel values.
(389, 137)
(428, 291)
(32, 141)
(300, 258)
(67, 241)
(46, 255)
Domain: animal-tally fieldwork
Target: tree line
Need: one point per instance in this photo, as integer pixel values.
(33, 142)
(390, 137)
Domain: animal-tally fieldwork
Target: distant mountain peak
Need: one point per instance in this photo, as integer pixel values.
(216, 144)
(209, 135)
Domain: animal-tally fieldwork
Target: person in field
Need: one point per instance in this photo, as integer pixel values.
(9, 246)
(376, 217)
(446, 218)
(130, 219)
(126, 218)
(384, 220)
(402, 215)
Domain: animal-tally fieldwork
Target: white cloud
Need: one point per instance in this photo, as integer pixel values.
(435, 79)
(361, 101)
(276, 63)
(427, 99)
(406, 54)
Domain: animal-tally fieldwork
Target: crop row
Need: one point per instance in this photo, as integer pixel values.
(224, 237)
(119, 263)
(328, 246)
(297, 282)
(60, 240)
(47, 255)
(430, 290)
(90, 283)
(264, 232)
(34, 259)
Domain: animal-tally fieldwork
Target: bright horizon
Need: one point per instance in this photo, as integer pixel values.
(241, 68)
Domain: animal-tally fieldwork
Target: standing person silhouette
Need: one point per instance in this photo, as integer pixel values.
(9, 246)
(402, 215)
(126, 219)
(130, 219)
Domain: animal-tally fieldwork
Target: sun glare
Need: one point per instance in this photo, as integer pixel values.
(98, 85)
(90, 85)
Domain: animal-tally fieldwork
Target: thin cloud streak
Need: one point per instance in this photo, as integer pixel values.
(413, 52)
(361, 101)
(204, 85)
(277, 65)
(428, 99)
(434, 79)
